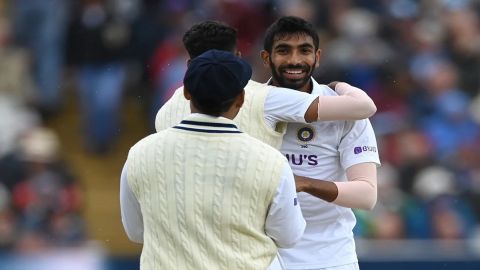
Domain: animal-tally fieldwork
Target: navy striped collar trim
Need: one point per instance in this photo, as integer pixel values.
(207, 127)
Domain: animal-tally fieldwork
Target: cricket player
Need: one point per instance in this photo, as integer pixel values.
(335, 161)
(267, 109)
(203, 194)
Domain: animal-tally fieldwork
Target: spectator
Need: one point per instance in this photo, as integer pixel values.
(98, 42)
(39, 26)
(45, 200)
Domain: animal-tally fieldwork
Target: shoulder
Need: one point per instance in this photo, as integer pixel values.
(149, 141)
(176, 99)
(178, 94)
(252, 84)
(254, 87)
(323, 89)
(357, 125)
(256, 92)
(172, 111)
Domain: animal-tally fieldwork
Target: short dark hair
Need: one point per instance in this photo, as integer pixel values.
(209, 35)
(212, 108)
(289, 25)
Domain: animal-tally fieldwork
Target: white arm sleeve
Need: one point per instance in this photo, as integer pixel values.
(132, 218)
(351, 104)
(286, 105)
(285, 223)
(360, 191)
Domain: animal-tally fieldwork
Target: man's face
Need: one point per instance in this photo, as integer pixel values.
(292, 61)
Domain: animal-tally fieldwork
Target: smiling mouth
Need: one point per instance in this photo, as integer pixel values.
(293, 74)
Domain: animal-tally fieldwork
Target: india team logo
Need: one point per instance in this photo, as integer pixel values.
(305, 134)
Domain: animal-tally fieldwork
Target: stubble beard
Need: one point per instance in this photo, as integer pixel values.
(281, 81)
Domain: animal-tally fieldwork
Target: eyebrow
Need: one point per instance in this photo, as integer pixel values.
(285, 45)
(306, 45)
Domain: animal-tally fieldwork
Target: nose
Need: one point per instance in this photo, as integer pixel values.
(294, 58)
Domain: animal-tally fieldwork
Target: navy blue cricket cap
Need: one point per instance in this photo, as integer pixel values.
(216, 77)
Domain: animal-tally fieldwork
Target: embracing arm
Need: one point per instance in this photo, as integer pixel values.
(360, 191)
(351, 104)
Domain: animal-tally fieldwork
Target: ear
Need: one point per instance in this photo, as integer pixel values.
(265, 58)
(318, 55)
(240, 99)
(238, 53)
(187, 94)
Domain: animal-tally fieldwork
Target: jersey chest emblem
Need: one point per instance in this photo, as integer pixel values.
(305, 135)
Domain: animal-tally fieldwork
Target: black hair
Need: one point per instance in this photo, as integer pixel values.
(211, 107)
(286, 26)
(209, 35)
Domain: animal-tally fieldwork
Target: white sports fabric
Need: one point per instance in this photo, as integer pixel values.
(258, 117)
(221, 200)
(324, 150)
(350, 266)
(277, 264)
(285, 105)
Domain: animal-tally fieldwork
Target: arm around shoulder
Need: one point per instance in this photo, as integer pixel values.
(351, 104)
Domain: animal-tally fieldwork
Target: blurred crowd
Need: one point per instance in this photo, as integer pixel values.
(418, 60)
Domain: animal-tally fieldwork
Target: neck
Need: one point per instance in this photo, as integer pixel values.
(307, 88)
(230, 114)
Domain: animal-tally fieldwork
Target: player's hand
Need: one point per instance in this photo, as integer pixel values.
(333, 85)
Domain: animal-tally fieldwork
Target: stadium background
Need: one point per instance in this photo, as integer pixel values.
(418, 60)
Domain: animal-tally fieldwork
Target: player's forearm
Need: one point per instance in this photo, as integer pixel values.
(352, 104)
(352, 194)
(324, 190)
(360, 191)
(359, 194)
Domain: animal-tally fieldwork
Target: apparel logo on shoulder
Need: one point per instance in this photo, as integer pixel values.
(305, 134)
(359, 149)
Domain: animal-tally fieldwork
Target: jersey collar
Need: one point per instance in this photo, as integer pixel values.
(207, 124)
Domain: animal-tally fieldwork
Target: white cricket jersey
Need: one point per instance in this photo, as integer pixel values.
(285, 105)
(324, 150)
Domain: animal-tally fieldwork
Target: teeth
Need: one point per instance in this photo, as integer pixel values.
(293, 71)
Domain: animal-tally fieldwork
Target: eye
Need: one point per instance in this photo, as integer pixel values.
(307, 50)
